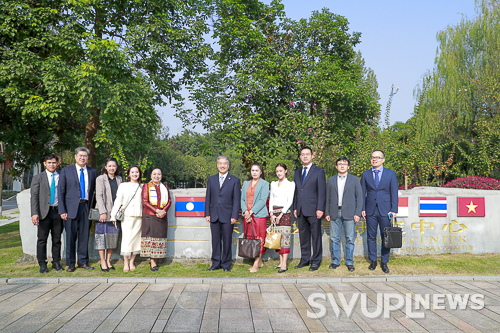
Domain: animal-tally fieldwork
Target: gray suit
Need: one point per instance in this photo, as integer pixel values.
(104, 200)
(352, 200)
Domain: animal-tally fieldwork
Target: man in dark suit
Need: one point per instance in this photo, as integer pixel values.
(44, 213)
(222, 206)
(76, 185)
(344, 202)
(380, 189)
(309, 206)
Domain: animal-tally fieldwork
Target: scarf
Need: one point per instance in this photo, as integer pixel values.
(153, 196)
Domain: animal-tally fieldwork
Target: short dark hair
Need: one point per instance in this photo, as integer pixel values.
(304, 148)
(343, 158)
(109, 159)
(283, 165)
(383, 154)
(261, 171)
(130, 169)
(51, 156)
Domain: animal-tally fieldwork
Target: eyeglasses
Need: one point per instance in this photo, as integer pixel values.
(377, 158)
(342, 164)
(305, 154)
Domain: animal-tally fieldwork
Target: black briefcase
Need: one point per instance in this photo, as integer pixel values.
(393, 236)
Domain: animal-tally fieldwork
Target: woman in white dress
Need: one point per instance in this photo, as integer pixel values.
(280, 201)
(128, 199)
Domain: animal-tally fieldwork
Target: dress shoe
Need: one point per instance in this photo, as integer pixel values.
(111, 267)
(372, 266)
(333, 266)
(71, 269)
(104, 269)
(43, 268)
(154, 268)
(282, 270)
(227, 269)
(57, 266)
(213, 268)
(384, 267)
(302, 264)
(85, 266)
(350, 268)
(314, 267)
(277, 267)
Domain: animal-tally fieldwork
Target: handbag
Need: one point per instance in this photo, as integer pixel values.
(119, 214)
(393, 236)
(94, 214)
(273, 238)
(249, 247)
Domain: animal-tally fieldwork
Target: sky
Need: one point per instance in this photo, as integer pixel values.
(398, 41)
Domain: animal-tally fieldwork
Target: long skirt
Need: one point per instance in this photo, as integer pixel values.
(284, 227)
(131, 235)
(154, 236)
(259, 229)
(106, 235)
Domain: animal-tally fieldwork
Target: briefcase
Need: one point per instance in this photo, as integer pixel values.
(393, 236)
(247, 247)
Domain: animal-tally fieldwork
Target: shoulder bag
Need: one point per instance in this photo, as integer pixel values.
(248, 247)
(120, 212)
(273, 238)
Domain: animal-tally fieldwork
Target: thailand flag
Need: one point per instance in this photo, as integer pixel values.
(189, 206)
(433, 206)
(402, 207)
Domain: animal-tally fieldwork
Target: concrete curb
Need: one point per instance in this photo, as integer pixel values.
(264, 280)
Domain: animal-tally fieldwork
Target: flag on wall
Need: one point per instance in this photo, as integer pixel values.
(433, 206)
(402, 207)
(189, 206)
(471, 206)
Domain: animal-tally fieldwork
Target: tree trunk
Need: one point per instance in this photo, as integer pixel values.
(406, 182)
(22, 181)
(90, 131)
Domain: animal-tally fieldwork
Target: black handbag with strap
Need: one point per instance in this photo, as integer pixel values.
(393, 236)
(249, 247)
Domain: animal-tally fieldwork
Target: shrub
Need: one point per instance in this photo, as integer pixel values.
(402, 187)
(477, 183)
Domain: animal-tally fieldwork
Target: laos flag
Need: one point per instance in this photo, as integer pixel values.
(189, 206)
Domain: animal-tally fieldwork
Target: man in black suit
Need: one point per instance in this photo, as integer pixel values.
(76, 185)
(309, 206)
(222, 206)
(44, 213)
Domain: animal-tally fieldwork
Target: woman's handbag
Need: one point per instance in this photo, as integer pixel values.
(273, 238)
(119, 214)
(393, 236)
(94, 212)
(249, 247)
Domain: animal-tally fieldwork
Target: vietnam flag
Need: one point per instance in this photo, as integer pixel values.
(471, 206)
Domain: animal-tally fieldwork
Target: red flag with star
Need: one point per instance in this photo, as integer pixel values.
(471, 206)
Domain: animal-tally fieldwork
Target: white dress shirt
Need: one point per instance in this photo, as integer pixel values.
(86, 175)
(308, 169)
(341, 180)
(223, 178)
(281, 195)
(49, 178)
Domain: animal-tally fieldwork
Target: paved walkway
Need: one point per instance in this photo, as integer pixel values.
(11, 217)
(224, 305)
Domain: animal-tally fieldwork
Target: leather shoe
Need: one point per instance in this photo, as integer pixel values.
(302, 264)
(43, 268)
(154, 268)
(282, 270)
(350, 268)
(111, 267)
(71, 269)
(372, 266)
(333, 266)
(213, 268)
(57, 266)
(384, 267)
(314, 267)
(227, 269)
(85, 266)
(104, 269)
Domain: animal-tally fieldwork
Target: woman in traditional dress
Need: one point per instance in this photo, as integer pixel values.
(254, 196)
(106, 232)
(128, 200)
(156, 202)
(280, 201)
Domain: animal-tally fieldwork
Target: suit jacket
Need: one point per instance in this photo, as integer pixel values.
(223, 204)
(385, 197)
(310, 196)
(69, 190)
(40, 195)
(352, 198)
(103, 196)
(259, 207)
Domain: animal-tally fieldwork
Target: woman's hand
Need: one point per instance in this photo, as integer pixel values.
(278, 218)
(246, 214)
(102, 218)
(160, 213)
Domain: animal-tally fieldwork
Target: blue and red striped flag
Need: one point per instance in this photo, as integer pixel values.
(189, 206)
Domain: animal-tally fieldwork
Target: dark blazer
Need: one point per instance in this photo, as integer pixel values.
(310, 196)
(40, 195)
(352, 198)
(223, 204)
(69, 190)
(385, 197)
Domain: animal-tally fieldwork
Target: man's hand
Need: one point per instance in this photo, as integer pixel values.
(363, 213)
(102, 218)
(319, 214)
(35, 219)
(393, 214)
(207, 218)
(233, 221)
(295, 213)
(327, 218)
(356, 218)
(64, 216)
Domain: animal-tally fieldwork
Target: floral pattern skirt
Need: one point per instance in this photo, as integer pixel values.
(284, 227)
(154, 236)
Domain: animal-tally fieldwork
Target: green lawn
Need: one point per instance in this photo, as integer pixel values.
(440, 264)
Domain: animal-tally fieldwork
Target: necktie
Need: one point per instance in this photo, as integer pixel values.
(53, 190)
(221, 180)
(304, 174)
(82, 184)
(377, 180)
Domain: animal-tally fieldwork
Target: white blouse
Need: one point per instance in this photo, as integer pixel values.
(281, 195)
(123, 195)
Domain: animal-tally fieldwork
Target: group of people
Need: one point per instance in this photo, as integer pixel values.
(63, 201)
(343, 200)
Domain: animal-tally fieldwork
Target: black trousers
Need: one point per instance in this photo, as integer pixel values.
(310, 229)
(222, 240)
(52, 224)
(78, 227)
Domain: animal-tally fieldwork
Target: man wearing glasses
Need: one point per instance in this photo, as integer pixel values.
(380, 189)
(344, 201)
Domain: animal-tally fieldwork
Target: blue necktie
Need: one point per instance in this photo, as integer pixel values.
(82, 184)
(377, 180)
(53, 190)
(304, 174)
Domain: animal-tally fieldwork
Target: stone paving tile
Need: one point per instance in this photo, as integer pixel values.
(83, 287)
(235, 320)
(160, 287)
(184, 320)
(108, 300)
(341, 287)
(276, 300)
(256, 301)
(86, 320)
(234, 300)
(16, 302)
(378, 287)
(159, 326)
(210, 321)
(192, 300)
(33, 321)
(151, 300)
(271, 288)
(215, 288)
(174, 295)
(455, 321)
(340, 324)
(42, 288)
(260, 319)
(476, 319)
(213, 300)
(197, 287)
(138, 320)
(234, 288)
(121, 287)
(165, 313)
(253, 288)
(18, 288)
(286, 320)
(64, 300)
